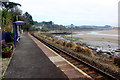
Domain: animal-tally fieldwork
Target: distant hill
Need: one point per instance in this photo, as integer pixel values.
(50, 26)
(85, 26)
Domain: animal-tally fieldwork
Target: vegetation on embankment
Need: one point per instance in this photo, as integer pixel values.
(86, 54)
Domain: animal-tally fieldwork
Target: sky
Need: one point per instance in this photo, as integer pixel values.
(77, 12)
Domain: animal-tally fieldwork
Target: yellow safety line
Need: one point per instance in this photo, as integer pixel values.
(67, 61)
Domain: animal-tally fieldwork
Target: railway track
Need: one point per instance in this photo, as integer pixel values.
(92, 71)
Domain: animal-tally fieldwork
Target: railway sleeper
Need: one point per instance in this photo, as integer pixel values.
(98, 77)
(84, 68)
(91, 72)
(79, 66)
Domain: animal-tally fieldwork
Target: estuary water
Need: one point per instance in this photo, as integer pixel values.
(103, 34)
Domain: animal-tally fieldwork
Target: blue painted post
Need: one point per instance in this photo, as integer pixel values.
(15, 34)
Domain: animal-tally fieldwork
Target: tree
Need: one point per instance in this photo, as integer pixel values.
(10, 5)
(29, 18)
(8, 15)
(16, 13)
(6, 21)
(26, 17)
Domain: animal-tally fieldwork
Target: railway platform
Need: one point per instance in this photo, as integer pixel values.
(32, 59)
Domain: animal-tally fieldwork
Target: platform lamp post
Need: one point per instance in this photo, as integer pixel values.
(71, 31)
(16, 26)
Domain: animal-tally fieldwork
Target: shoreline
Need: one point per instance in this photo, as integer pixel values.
(104, 43)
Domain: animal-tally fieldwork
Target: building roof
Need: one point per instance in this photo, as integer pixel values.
(19, 22)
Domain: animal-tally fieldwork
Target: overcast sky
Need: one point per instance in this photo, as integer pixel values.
(77, 12)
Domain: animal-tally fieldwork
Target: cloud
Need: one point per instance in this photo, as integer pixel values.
(72, 11)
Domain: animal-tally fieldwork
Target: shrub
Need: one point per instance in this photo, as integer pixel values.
(60, 42)
(55, 40)
(83, 50)
(71, 45)
(79, 49)
(49, 38)
(43, 36)
(88, 52)
(6, 50)
(40, 35)
(65, 43)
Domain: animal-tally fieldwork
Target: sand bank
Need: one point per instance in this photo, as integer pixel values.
(109, 35)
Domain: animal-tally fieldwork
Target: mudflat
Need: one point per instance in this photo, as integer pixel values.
(110, 35)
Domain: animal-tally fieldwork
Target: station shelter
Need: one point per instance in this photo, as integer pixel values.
(17, 30)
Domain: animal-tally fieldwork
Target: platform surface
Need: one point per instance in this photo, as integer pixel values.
(29, 61)
(71, 71)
